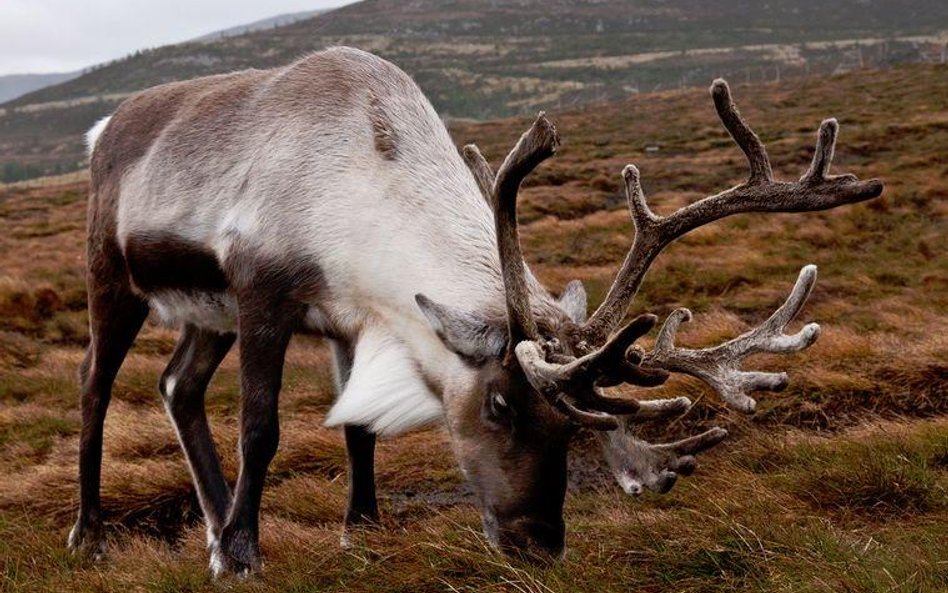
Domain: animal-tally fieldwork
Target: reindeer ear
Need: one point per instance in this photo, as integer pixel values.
(468, 334)
(573, 301)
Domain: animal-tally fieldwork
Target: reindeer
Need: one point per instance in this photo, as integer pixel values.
(327, 197)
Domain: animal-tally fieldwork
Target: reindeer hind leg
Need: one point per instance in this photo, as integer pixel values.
(116, 315)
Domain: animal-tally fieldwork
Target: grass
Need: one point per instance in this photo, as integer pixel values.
(838, 484)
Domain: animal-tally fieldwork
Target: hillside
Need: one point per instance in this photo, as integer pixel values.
(482, 59)
(837, 484)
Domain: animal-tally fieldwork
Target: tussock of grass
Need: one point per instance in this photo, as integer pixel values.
(24, 308)
(309, 499)
(880, 476)
(17, 351)
(28, 433)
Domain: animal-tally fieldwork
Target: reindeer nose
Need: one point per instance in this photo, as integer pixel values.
(631, 486)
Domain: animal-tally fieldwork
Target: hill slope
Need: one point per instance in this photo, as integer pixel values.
(505, 36)
(488, 58)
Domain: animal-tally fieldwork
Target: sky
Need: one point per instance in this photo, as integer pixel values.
(66, 35)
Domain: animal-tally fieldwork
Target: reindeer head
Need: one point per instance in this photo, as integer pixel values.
(540, 377)
(512, 426)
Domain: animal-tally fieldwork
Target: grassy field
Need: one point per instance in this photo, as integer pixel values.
(838, 484)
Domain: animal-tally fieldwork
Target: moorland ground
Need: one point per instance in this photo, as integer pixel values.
(838, 484)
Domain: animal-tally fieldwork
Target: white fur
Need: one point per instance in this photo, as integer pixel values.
(216, 563)
(217, 311)
(385, 392)
(240, 221)
(92, 136)
(170, 384)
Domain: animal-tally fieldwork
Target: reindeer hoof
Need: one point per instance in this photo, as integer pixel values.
(354, 534)
(222, 566)
(86, 541)
(345, 539)
(236, 556)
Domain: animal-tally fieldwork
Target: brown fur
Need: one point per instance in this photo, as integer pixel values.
(164, 261)
(382, 130)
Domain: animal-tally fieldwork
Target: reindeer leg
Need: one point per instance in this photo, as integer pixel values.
(360, 448)
(266, 323)
(363, 509)
(115, 317)
(196, 357)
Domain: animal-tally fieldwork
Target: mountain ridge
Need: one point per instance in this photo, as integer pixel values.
(280, 20)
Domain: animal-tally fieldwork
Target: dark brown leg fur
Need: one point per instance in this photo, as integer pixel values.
(360, 448)
(116, 315)
(266, 322)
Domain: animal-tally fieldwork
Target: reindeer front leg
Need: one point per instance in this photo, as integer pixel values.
(360, 449)
(363, 506)
(265, 325)
(183, 384)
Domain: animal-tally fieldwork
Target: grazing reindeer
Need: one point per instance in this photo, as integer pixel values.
(327, 197)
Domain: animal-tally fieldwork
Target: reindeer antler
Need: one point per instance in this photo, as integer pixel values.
(816, 190)
(483, 174)
(535, 145)
(572, 384)
(569, 383)
(637, 464)
(720, 366)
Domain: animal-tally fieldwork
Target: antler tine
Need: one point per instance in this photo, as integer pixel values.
(555, 381)
(593, 420)
(535, 145)
(823, 156)
(719, 366)
(480, 168)
(642, 215)
(816, 190)
(743, 135)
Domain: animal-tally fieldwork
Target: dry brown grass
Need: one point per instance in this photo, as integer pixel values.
(840, 483)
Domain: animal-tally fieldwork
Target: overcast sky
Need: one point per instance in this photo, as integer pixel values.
(65, 35)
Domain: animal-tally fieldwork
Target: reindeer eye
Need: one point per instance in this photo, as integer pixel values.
(498, 410)
(498, 403)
